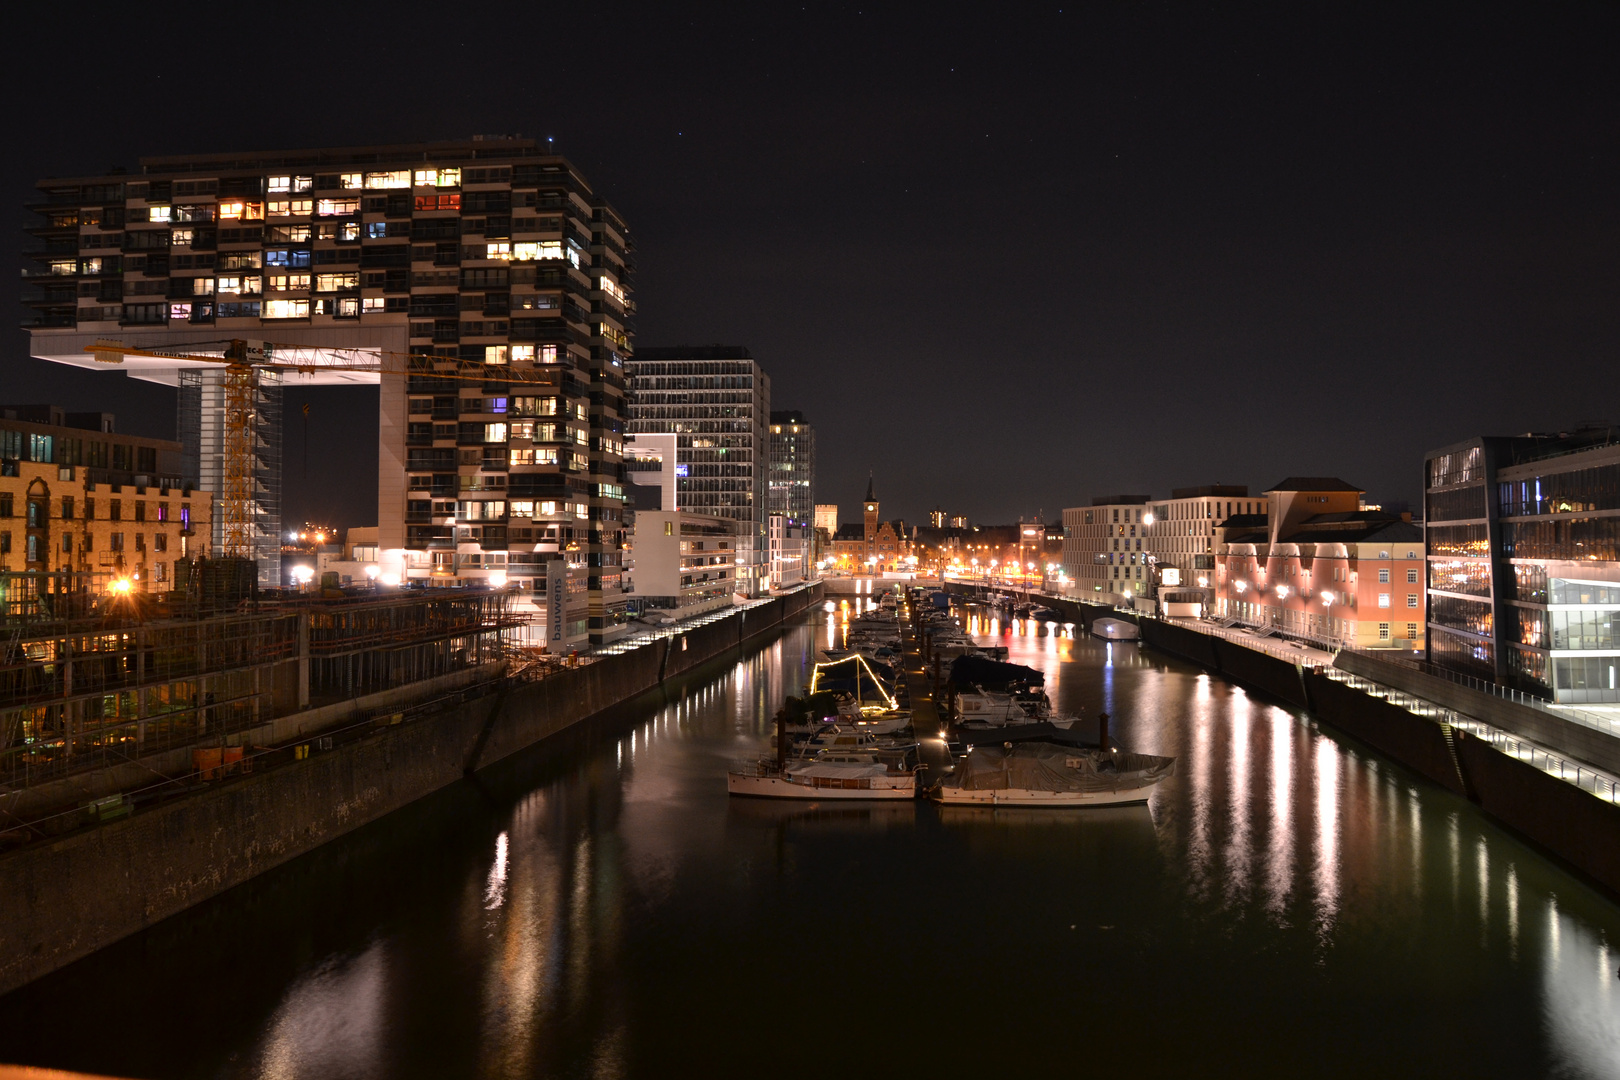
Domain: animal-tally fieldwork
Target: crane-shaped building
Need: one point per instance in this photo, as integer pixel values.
(481, 286)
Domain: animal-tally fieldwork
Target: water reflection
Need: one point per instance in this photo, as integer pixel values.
(614, 914)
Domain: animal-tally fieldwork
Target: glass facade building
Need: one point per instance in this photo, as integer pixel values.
(1524, 563)
(793, 468)
(716, 401)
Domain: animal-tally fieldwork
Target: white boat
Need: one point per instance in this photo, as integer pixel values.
(1115, 629)
(983, 704)
(875, 723)
(853, 776)
(1043, 774)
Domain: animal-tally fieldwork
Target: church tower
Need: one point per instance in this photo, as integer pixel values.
(871, 508)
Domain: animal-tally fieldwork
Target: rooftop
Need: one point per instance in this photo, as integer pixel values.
(1313, 483)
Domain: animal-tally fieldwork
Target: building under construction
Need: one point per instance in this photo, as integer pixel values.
(90, 679)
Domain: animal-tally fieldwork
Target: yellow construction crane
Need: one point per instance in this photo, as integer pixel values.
(244, 359)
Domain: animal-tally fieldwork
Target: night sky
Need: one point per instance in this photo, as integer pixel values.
(1008, 258)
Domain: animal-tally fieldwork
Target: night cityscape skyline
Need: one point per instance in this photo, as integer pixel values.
(1115, 237)
(619, 540)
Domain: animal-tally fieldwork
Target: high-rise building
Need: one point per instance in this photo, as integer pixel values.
(490, 261)
(717, 401)
(1524, 563)
(792, 468)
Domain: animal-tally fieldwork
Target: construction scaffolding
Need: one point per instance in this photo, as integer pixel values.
(86, 683)
(222, 413)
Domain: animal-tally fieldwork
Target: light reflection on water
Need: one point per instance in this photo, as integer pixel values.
(622, 917)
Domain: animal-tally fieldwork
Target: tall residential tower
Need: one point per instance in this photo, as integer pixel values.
(490, 260)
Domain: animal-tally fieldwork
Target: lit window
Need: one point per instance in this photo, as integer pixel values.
(334, 207)
(179, 312)
(228, 284)
(494, 432)
(502, 250)
(303, 207)
(229, 211)
(438, 177)
(157, 213)
(374, 304)
(348, 307)
(521, 508)
(203, 286)
(1383, 599)
(67, 266)
(286, 309)
(399, 178)
(303, 183)
(545, 249)
(438, 202)
(278, 184)
(377, 230)
(181, 238)
(520, 354)
(351, 181)
(548, 354)
(350, 230)
(495, 354)
(278, 208)
(200, 212)
(336, 282)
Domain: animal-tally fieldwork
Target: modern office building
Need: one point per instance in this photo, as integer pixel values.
(1182, 536)
(80, 500)
(1104, 548)
(792, 480)
(790, 549)
(685, 563)
(490, 263)
(1524, 562)
(1319, 564)
(716, 400)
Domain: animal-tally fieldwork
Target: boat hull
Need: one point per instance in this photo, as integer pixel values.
(777, 787)
(1123, 796)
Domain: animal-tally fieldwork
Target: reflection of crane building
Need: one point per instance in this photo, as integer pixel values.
(490, 263)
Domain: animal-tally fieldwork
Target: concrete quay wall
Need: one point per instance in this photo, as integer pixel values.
(67, 897)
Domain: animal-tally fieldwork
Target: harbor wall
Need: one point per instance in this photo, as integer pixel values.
(67, 897)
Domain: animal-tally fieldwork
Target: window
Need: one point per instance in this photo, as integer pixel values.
(669, 528)
(278, 184)
(373, 304)
(1383, 631)
(1411, 600)
(494, 432)
(438, 202)
(1383, 575)
(157, 213)
(1383, 599)
(115, 541)
(377, 230)
(1411, 577)
(546, 249)
(336, 207)
(351, 181)
(496, 354)
(179, 312)
(382, 181)
(1411, 631)
(337, 282)
(502, 250)
(438, 177)
(286, 309)
(67, 508)
(541, 455)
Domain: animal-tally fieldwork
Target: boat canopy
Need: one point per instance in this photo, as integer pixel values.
(991, 674)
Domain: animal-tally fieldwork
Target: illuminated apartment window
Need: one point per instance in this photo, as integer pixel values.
(278, 184)
(496, 354)
(286, 309)
(378, 181)
(351, 181)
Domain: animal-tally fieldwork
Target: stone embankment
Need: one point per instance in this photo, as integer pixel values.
(67, 896)
(1572, 823)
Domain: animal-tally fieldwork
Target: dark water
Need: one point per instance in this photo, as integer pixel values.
(1287, 905)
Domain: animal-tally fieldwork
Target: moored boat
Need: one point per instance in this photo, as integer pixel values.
(1044, 774)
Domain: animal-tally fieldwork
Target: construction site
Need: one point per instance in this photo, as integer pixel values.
(165, 689)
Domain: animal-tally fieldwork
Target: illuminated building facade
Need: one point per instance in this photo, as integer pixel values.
(1524, 563)
(792, 468)
(1182, 538)
(487, 255)
(716, 401)
(1105, 548)
(77, 497)
(1318, 564)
